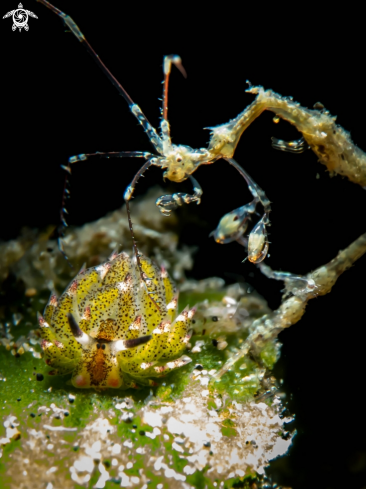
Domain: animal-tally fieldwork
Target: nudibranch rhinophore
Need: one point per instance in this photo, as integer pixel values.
(106, 330)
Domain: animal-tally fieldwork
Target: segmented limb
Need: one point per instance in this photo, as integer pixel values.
(60, 231)
(143, 278)
(66, 191)
(255, 189)
(168, 203)
(135, 109)
(297, 146)
(297, 285)
(111, 154)
(131, 188)
(167, 66)
(128, 196)
(258, 241)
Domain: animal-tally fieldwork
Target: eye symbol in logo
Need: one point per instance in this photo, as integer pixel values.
(20, 17)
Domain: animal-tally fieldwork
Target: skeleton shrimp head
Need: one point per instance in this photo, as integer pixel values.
(181, 161)
(106, 332)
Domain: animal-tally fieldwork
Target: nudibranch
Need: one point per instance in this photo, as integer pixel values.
(106, 330)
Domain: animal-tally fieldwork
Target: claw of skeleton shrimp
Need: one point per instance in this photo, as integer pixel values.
(166, 204)
(298, 146)
(234, 223)
(258, 243)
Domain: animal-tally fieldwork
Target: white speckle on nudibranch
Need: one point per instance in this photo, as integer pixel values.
(106, 331)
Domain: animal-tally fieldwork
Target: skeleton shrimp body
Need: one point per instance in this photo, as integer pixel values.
(180, 161)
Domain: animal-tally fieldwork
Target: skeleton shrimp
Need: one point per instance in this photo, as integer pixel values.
(179, 162)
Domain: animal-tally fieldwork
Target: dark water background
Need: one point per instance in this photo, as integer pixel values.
(56, 103)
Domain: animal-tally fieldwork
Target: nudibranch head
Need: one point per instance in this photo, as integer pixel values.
(106, 330)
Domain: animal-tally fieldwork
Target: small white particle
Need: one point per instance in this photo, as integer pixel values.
(84, 464)
(177, 447)
(229, 300)
(96, 446)
(116, 449)
(157, 464)
(58, 428)
(125, 480)
(153, 419)
(189, 470)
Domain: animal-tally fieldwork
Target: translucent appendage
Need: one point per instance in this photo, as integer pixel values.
(258, 242)
(234, 224)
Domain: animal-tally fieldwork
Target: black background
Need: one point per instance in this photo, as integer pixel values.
(56, 103)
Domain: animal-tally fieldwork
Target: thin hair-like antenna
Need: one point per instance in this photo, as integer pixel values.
(135, 109)
(137, 253)
(167, 65)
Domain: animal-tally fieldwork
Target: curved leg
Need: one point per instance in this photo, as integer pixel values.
(128, 196)
(297, 285)
(131, 188)
(60, 231)
(168, 203)
(111, 154)
(258, 240)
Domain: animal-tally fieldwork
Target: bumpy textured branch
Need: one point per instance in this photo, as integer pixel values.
(335, 149)
(319, 282)
(330, 142)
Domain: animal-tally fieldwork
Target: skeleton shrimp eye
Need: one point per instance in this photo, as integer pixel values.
(179, 159)
(258, 243)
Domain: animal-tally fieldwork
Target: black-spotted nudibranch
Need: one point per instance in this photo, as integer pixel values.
(107, 332)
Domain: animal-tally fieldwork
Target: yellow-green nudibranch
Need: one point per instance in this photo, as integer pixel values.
(106, 330)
